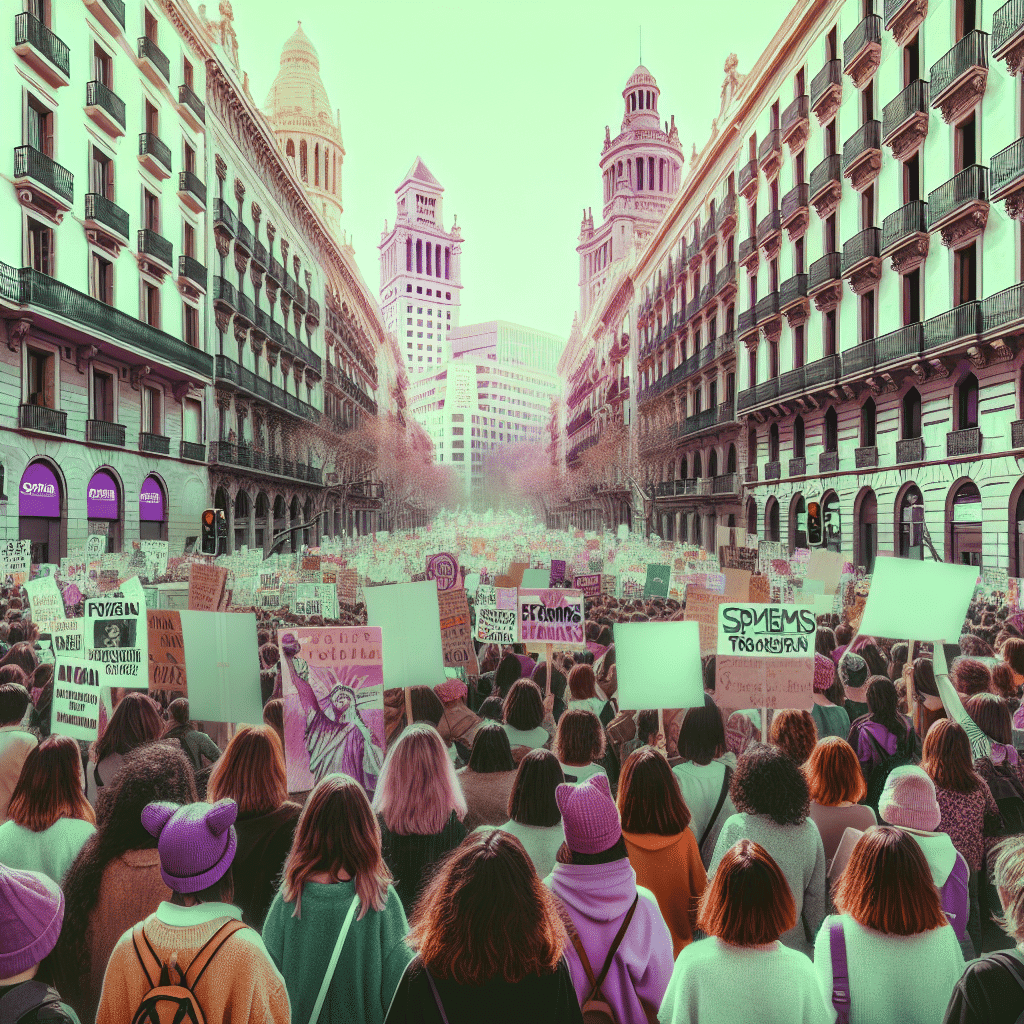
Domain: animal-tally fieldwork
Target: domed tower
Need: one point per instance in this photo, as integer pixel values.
(310, 137)
(641, 171)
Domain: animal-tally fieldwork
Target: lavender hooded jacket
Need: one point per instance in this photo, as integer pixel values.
(597, 897)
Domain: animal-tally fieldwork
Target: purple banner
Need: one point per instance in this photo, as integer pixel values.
(151, 501)
(39, 493)
(101, 500)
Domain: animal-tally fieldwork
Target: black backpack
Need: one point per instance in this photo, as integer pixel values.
(1002, 779)
(32, 1002)
(904, 755)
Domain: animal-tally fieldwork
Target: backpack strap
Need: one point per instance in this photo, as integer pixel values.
(616, 942)
(1011, 960)
(840, 971)
(209, 950)
(26, 997)
(718, 807)
(148, 959)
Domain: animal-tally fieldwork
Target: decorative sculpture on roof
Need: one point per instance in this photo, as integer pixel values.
(223, 30)
(733, 80)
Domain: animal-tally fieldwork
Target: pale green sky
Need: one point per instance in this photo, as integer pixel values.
(507, 103)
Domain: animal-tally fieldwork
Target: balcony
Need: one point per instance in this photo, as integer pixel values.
(953, 328)
(958, 80)
(192, 451)
(725, 281)
(693, 307)
(910, 450)
(38, 417)
(769, 154)
(828, 462)
(192, 191)
(121, 333)
(905, 120)
(244, 239)
(259, 256)
(1003, 309)
(824, 281)
(747, 182)
(301, 298)
(793, 294)
(767, 308)
(1006, 177)
(963, 442)
(107, 222)
(897, 346)
(224, 219)
(862, 50)
(826, 185)
(959, 208)
(769, 233)
(865, 458)
(246, 308)
(693, 253)
(191, 108)
(105, 108)
(102, 432)
(707, 234)
(750, 474)
(155, 155)
(746, 324)
(42, 183)
(773, 470)
(795, 123)
(862, 265)
(790, 383)
(225, 294)
(795, 213)
(725, 218)
(1017, 434)
(827, 91)
(191, 273)
(862, 155)
(1008, 35)
(155, 444)
(797, 467)
(749, 256)
(110, 13)
(38, 47)
(707, 295)
(905, 236)
(903, 18)
(725, 484)
(157, 250)
(579, 421)
(154, 61)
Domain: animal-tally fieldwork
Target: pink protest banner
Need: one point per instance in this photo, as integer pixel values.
(333, 688)
(457, 631)
(444, 569)
(588, 586)
(769, 682)
(206, 587)
(552, 617)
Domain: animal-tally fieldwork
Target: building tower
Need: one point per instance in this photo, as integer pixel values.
(641, 171)
(299, 111)
(420, 273)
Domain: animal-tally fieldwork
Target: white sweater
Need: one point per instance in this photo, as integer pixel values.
(715, 983)
(541, 843)
(51, 851)
(701, 785)
(904, 978)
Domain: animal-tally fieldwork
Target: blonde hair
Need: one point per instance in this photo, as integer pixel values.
(418, 788)
(1009, 877)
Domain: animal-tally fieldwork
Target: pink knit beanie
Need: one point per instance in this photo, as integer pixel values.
(452, 689)
(31, 913)
(589, 815)
(908, 800)
(197, 842)
(824, 673)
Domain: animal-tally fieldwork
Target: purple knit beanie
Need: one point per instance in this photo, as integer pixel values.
(197, 842)
(824, 673)
(589, 815)
(31, 913)
(908, 799)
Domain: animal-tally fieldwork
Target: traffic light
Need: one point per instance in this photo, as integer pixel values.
(813, 523)
(208, 544)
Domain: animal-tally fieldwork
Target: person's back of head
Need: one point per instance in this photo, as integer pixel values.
(532, 800)
(509, 669)
(31, 915)
(50, 786)
(649, 799)
(582, 682)
(178, 711)
(883, 705)
(493, 708)
(908, 799)
(593, 829)
(491, 751)
(767, 782)
(426, 705)
(992, 716)
(702, 733)
(251, 771)
(579, 738)
(970, 676)
(524, 706)
(794, 733)
(833, 773)
(14, 702)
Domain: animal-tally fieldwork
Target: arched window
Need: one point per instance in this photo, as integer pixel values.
(771, 520)
(408, 255)
(867, 426)
(289, 149)
(798, 523)
(912, 414)
(831, 522)
(773, 443)
(910, 523)
(751, 516)
(697, 473)
(752, 447)
(316, 164)
(713, 463)
(650, 173)
(867, 530)
(419, 256)
(964, 518)
(967, 402)
(639, 174)
(661, 175)
(798, 438)
(327, 167)
(303, 161)
(831, 438)
(334, 173)
(730, 458)
(447, 263)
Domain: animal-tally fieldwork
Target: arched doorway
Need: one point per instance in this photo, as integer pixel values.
(865, 538)
(910, 523)
(751, 517)
(241, 531)
(963, 514)
(1016, 538)
(280, 516)
(103, 507)
(260, 537)
(221, 500)
(831, 522)
(771, 520)
(797, 523)
(40, 508)
(152, 509)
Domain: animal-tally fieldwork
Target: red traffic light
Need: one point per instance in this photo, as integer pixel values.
(208, 517)
(812, 509)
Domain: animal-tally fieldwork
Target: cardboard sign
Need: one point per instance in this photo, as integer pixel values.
(206, 587)
(409, 618)
(759, 588)
(497, 625)
(737, 584)
(826, 566)
(656, 584)
(15, 562)
(770, 631)
(76, 699)
(166, 652)
(154, 554)
(738, 558)
(588, 586)
(116, 636)
(45, 600)
(536, 579)
(995, 580)
(515, 573)
(742, 682)
(702, 609)
(333, 688)
(95, 546)
(552, 617)
(658, 665)
(444, 570)
(222, 666)
(918, 600)
(557, 574)
(68, 638)
(457, 632)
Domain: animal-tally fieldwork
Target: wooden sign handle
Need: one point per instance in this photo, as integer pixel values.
(549, 654)
(408, 704)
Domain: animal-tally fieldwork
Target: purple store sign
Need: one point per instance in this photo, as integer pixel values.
(151, 501)
(39, 493)
(101, 500)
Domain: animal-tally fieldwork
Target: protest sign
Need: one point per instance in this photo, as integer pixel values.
(536, 579)
(333, 688)
(995, 580)
(758, 587)
(155, 555)
(766, 682)
(444, 570)
(456, 631)
(552, 617)
(588, 586)
(656, 584)
(409, 618)
(222, 666)
(95, 546)
(702, 608)
(76, 699)
(556, 575)
(15, 562)
(166, 653)
(206, 587)
(45, 601)
(622, 531)
(737, 584)
(738, 558)
(658, 665)
(116, 636)
(772, 630)
(67, 637)
(917, 600)
(826, 566)
(496, 625)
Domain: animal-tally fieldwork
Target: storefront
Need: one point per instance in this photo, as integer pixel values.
(152, 510)
(103, 508)
(39, 518)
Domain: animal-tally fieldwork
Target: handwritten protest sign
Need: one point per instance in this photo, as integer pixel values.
(744, 682)
(443, 568)
(95, 546)
(166, 653)
(589, 585)
(206, 587)
(76, 699)
(737, 584)
(656, 584)
(556, 576)
(702, 608)
(552, 617)
(116, 636)
(15, 562)
(45, 600)
(738, 558)
(772, 631)
(456, 631)
(333, 689)
(759, 588)
(658, 665)
(68, 637)
(155, 557)
(497, 625)
(826, 566)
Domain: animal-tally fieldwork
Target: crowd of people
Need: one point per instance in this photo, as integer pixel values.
(530, 850)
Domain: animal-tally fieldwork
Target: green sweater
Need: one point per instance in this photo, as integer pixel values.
(372, 961)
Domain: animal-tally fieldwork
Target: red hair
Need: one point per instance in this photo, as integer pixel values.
(794, 733)
(50, 786)
(251, 771)
(834, 774)
(582, 682)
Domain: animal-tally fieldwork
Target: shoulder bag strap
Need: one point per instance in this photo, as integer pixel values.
(840, 972)
(574, 938)
(437, 998)
(718, 807)
(332, 966)
(148, 960)
(210, 949)
(615, 945)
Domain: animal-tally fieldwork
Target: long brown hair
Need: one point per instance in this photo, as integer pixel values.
(136, 720)
(251, 771)
(338, 833)
(486, 915)
(946, 757)
(50, 786)
(649, 798)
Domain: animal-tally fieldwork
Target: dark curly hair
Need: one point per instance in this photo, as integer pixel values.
(767, 782)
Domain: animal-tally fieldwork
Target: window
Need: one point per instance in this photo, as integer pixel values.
(831, 138)
(39, 239)
(101, 279)
(830, 324)
(41, 384)
(190, 324)
(151, 210)
(798, 346)
(965, 274)
(867, 316)
(966, 17)
(912, 297)
(192, 421)
(152, 410)
(150, 26)
(912, 61)
(150, 304)
(189, 161)
(832, 43)
(188, 239)
(102, 66)
(774, 115)
(152, 119)
(101, 174)
(39, 127)
(966, 153)
(187, 74)
(103, 397)
(798, 437)
(911, 408)
(40, 10)
(773, 443)
(867, 102)
(798, 256)
(912, 178)
(967, 402)
(867, 424)
(831, 233)
(773, 358)
(911, 524)
(831, 437)
(867, 208)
